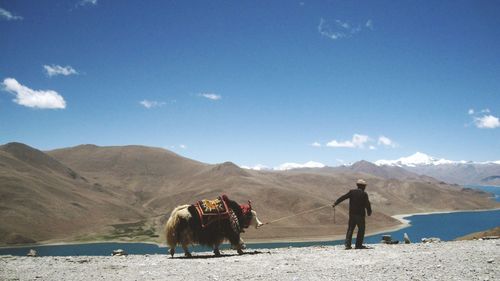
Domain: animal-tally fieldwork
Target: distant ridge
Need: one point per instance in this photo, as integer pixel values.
(456, 172)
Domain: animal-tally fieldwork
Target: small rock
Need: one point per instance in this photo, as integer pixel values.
(32, 253)
(119, 252)
(431, 240)
(406, 238)
(491, 261)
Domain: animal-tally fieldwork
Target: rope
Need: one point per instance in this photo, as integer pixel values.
(282, 218)
(298, 214)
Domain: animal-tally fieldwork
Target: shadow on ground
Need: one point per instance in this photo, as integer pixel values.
(212, 256)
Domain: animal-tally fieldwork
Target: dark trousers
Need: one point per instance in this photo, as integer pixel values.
(359, 221)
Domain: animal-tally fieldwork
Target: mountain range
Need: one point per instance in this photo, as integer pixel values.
(93, 193)
(454, 172)
(457, 172)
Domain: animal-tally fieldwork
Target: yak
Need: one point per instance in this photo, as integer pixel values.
(209, 223)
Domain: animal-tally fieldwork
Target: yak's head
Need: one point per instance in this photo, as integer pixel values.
(249, 216)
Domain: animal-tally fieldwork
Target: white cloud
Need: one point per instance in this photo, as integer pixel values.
(483, 119)
(383, 140)
(54, 70)
(487, 122)
(4, 14)
(358, 141)
(87, 2)
(316, 144)
(176, 147)
(325, 30)
(289, 166)
(345, 144)
(369, 24)
(150, 104)
(45, 99)
(371, 147)
(340, 29)
(211, 96)
(344, 25)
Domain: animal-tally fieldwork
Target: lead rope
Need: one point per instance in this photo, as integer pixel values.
(298, 214)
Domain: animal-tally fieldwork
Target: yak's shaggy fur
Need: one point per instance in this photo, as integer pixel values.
(185, 228)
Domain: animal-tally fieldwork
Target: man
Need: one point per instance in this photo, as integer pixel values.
(358, 202)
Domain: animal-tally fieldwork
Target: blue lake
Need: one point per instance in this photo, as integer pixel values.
(494, 190)
(445, 226)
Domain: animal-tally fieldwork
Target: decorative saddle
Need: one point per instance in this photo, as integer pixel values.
(214, 210)
(216, 207)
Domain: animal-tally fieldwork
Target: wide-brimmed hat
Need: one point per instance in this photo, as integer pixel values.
(361, 182)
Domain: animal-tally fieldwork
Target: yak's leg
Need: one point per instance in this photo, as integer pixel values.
(172, 251)
(186, 250)
(242, 244)
(216, 250)
(239, 250)
(237, 243)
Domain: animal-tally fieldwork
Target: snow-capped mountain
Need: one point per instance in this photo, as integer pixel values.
(418, 164)
(459, 172)
(421, 159)
(417, 159)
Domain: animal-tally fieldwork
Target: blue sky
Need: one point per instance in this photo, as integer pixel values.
(255, 82)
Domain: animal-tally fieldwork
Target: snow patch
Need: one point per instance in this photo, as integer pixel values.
(422, 159)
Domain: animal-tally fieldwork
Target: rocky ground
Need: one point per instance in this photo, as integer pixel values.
(460, 260)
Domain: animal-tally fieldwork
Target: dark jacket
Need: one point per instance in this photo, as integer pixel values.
(358, 202)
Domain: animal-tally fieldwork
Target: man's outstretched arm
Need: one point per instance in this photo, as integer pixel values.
(342, 198)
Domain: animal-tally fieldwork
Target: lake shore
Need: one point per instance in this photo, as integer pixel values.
(461, 260)
(406, 222)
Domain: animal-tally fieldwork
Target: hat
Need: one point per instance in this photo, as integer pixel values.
(361, 182)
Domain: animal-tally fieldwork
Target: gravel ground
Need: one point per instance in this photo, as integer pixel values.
(462, 260)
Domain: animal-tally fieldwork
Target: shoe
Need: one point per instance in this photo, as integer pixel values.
(348, 247)
(362, 247)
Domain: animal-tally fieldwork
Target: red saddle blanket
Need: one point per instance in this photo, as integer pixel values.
(212, 210)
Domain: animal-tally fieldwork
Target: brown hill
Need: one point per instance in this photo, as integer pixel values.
(150, 182)
(140, 173)
(43, 199)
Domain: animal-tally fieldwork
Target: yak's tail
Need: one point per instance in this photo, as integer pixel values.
(171, 226)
